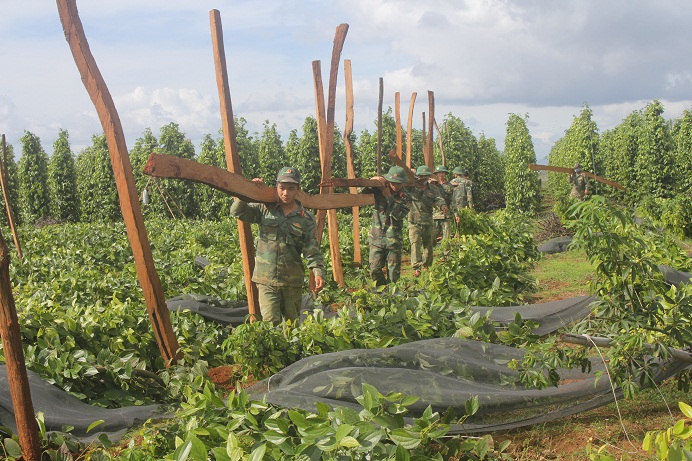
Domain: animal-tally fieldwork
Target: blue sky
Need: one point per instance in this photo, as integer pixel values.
(484, 59)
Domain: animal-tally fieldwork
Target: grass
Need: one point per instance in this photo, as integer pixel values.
(561, 276)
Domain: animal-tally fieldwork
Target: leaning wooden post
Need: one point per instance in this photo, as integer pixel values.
(439, 138)
(124, 180)
(423, 141)
(18, 380)
(409, 132)
(247, 246)
(379, 128)
(350, 167)
(397, 114)
(5, 184)
(430, 159)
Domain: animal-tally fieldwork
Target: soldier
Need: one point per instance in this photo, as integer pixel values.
(420, 220)
(286, 232)
(442, 227)
(463, 191)
(392, 204)
(580, 185)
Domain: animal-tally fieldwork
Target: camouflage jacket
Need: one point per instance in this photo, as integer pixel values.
(446, 190)
(388, 217)
(463, 193)
(422, 203)
(282, 240)
(579, 185)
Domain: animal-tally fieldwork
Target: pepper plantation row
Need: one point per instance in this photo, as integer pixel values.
(85, 329)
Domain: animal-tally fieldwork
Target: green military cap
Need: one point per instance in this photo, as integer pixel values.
(288, 174)
(423, 170)
(396, 174)
(458, 170)
(441, 169)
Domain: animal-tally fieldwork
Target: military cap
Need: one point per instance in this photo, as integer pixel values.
(396, 174)
(288, 174)
(441, 169)
(458, 170)
(423, 170)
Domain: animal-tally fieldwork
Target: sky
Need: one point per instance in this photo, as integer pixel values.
(483, 59)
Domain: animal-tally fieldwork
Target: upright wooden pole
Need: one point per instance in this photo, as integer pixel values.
(424, 135)
(397, 113)
(430, 159)
(409, 133)
(18, 380)
(439, 138)
(247, 246)
(124, 181)
(5, 184)
(379, 128)
(350, 167)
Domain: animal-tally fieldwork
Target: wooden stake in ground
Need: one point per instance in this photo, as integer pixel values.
(409, 136)
(350, 167)
(424, 142)
(430, 158)
(247, 246)
(5, 184)
(397, 112)
(379, 128)
(18, 380)
(124, 181)
(439, 138)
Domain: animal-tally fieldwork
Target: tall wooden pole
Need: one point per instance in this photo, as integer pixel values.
(5, 184)
(409, 135)
(439, 138)
(247, 246)
(95, 85)
(424, 135)
(397, 112)
(379, 128)
(430, 159)
(350, 167)
(18, 380)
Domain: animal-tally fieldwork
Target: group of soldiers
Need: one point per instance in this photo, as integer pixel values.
(287, 232)
(429, 204)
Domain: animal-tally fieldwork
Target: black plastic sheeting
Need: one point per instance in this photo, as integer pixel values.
(60, 408)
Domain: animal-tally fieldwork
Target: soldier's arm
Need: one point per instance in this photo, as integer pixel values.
(245, 212)
(311, 251)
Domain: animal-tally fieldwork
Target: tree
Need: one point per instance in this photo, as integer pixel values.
(178, 196)
(96, 190)
(460, 145)
(521, 184)
(682, 139)
(619, 150)
(490, 175)
(247, 149)
(271, 153)
(13, 186)
(306, 156)
(655, 162)
(34, 195)
(62, 180)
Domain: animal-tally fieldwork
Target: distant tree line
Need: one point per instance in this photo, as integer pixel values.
(81, 188)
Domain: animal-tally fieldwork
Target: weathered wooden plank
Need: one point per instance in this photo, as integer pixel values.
(5, 183)
(95, 85)
(379, 126)
(170, 166)
(409, 132)
(245, 240)
(430, 158)
(397, 116)
(562, 169)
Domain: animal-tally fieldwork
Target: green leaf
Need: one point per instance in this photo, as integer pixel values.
(94, 424)
(13, 448)
(258, 453)
(686, 409)
(405, 438)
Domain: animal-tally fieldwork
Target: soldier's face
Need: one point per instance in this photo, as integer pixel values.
(287, 192)
(441, 176)
(396, 186)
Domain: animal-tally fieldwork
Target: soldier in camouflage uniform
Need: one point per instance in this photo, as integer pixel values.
(392, 203)
(580, 185)
(442, 226)
(286, 232)
(420, 220)
(463, 191)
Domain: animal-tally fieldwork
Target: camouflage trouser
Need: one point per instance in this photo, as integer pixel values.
(442, 227)
(422, 243)
(277, 302)
(385, 257)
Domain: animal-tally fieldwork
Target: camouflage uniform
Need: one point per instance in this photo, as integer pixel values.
(279, 271)
(463, 193)
(385, 236)
(420, 219)
(441, 219)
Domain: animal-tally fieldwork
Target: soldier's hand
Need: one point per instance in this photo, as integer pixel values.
(319, 283)
(258, 181)
(456, 218)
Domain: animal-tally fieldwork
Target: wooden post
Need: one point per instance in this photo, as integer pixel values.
(439, 138)
(350, 167)
(409, 135)
(430, 159)
(379, 128)
(5, 184)
(124, 180)
(423, 141)
(247, 246)
(18, 380)
(397, 112)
